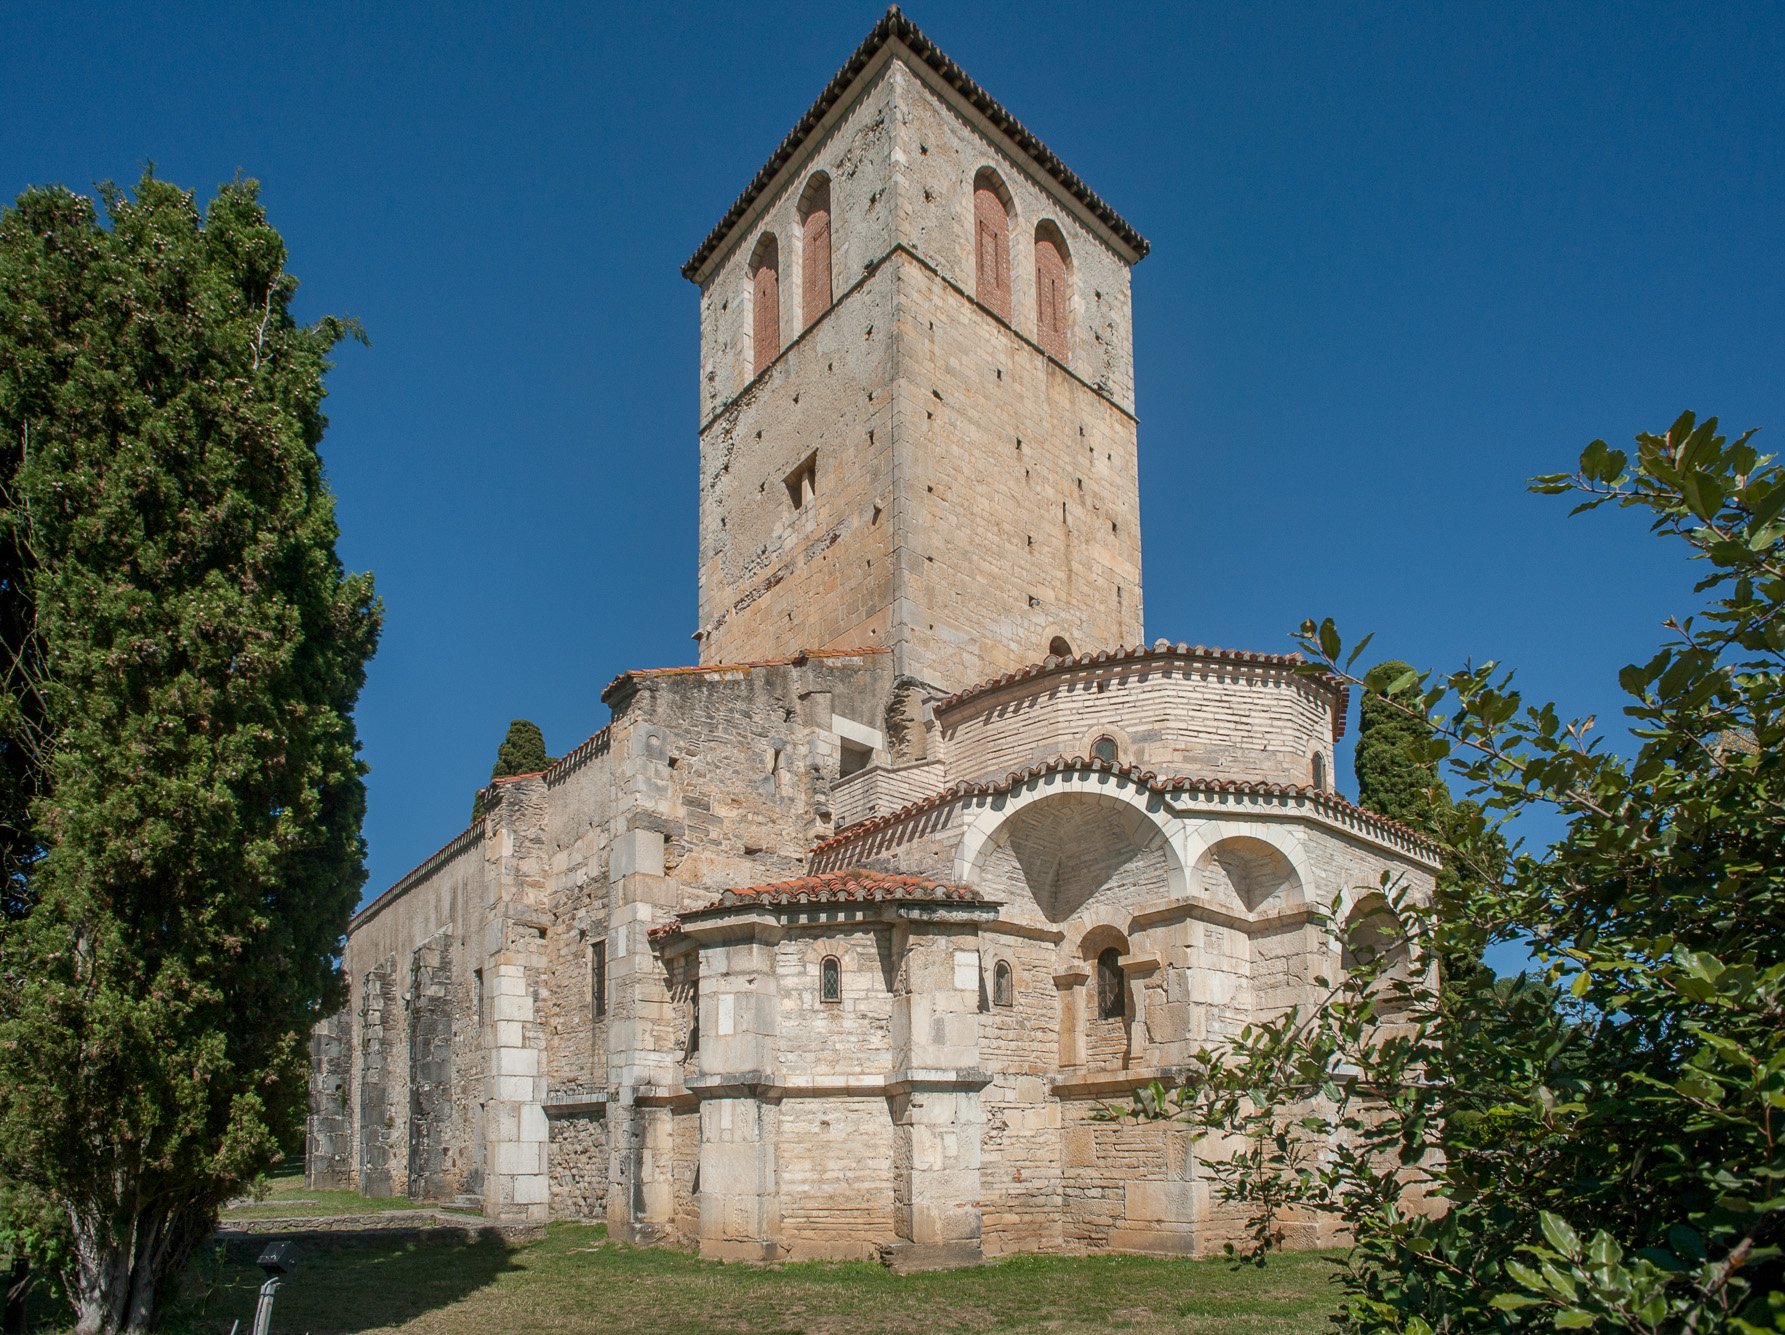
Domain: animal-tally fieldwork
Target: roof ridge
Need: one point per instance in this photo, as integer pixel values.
(893, 25)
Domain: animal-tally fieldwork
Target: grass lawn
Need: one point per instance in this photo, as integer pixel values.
(575, 1282)
(287, 1198)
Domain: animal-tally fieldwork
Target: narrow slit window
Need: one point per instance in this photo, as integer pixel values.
(1001, 984)
(598, 979)
(1320, 771)
(830, 980)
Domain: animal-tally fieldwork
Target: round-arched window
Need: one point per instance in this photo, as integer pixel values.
(1001, 988)
(1112, 994)
(1320, 770)
(1059, 647)
(830, 980)
(1104, 748)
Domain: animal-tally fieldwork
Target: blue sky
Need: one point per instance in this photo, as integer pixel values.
(1404, 257)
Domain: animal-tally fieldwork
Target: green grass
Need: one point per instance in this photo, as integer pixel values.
(287, 1198)
(575, 1282)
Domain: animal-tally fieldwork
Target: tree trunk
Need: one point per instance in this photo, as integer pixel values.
(124, 1271)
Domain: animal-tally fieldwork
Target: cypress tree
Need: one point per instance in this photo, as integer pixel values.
(193, 796)
(522, 752)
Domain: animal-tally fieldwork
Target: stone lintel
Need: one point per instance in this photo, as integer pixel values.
(1160, 911)
(774, 1086)
(1082, 1084)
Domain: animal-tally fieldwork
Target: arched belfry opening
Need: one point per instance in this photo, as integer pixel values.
(1053, 291)
(765, 302)
(815, 248)
(991, 242)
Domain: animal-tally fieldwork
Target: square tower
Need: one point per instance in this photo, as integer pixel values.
(917, 422)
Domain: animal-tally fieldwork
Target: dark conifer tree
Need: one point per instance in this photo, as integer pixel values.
(178, 761)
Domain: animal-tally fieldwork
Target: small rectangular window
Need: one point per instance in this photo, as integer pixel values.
(856, 758)
(598, 979)
(802, 483)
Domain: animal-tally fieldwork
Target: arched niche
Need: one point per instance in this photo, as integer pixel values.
(1251, 871)
(1068, 847)
(1257, 868)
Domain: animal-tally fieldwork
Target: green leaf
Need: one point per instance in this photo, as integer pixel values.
(1560, 1236)
(1574, 1318)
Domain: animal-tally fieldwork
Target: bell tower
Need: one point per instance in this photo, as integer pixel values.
(917, 423)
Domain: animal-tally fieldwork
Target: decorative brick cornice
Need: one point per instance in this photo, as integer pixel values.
(894, 26)
(456, 845)
(856, 886)
(1331, 805)
(638, 676)
(1053, 665)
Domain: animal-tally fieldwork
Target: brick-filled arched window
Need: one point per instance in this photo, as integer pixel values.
(1053, 295)
(1112, 995)
(765, 302)
(991, 242)
(830, 980)
(815, 249)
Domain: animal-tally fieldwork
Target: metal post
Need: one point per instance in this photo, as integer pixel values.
(263, 1311)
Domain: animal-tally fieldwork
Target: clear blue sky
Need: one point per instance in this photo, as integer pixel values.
(1404, 257)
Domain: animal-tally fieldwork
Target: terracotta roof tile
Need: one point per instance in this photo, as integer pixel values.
(1052, 664)
(856, 886)
(894, 26)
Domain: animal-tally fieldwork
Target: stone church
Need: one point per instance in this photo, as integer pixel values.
(830, 945)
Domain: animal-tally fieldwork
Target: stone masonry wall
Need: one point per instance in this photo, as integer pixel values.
(328, 1150)
(1174, 714)
(913, 398)
(383, 1077)
(437, 1158)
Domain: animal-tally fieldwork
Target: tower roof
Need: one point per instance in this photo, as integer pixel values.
(894, 27)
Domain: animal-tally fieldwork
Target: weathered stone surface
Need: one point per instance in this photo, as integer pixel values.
(558, 1016)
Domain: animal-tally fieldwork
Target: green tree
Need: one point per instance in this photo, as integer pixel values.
(1613, 1160)
(194, 797)
(522, 752)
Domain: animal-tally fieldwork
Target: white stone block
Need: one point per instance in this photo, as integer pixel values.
(533, 1125)
(533, 1189)
(513, 1008)
(514, 1088)
(520, 1157)
(637, 852)
(517, 1061)
(966, 970)
(508, 1034)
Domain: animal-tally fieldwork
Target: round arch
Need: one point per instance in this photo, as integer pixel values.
(990, 825)
(1201, 841)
